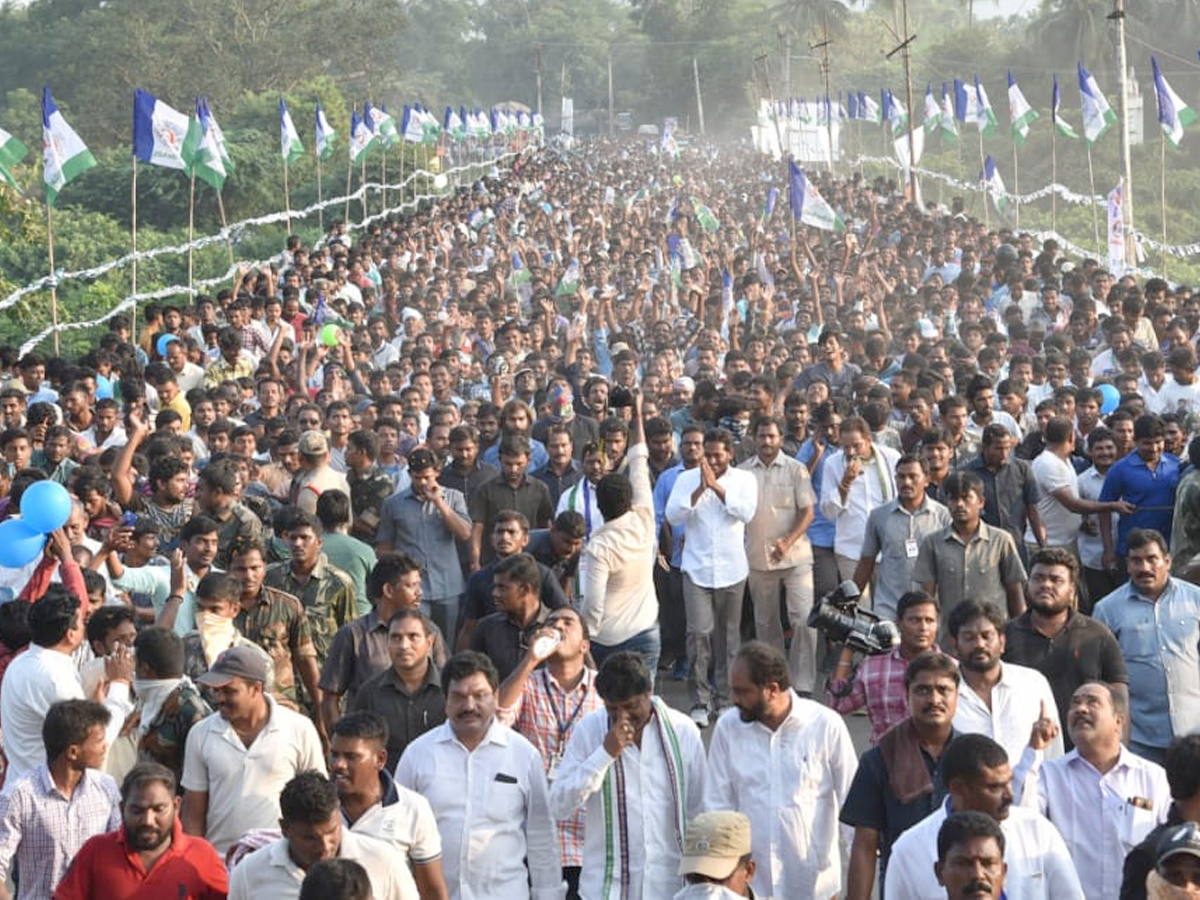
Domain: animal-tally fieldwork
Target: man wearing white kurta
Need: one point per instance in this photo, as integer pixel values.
(487, 787)
(1103, 798)
(787, 763)
(637, 768)
(977, 776)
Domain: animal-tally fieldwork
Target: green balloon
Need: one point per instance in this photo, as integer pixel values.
(329, 335)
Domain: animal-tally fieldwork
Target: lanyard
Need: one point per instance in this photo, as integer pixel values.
(563, 727)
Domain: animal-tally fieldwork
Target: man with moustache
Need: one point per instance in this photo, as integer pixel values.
(970, 857)
(1066, 646)
(149, 856)
(1102, 797)
(487, 787)
(1156, 620)
(899, 782)
(787, 763)
(978, 779)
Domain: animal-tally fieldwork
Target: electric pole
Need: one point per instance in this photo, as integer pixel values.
(905, 47)
(825, 67)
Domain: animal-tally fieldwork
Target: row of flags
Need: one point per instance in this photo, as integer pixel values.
(164, 136)
(967, 103)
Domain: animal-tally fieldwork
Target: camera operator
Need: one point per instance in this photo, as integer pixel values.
(878, 682)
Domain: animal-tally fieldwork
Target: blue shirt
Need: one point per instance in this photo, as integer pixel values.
(538, 456)
(1160, 641)
(822, 530)
(662, 493)
(1152, 492)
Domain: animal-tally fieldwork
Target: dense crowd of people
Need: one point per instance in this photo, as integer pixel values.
(379, 560)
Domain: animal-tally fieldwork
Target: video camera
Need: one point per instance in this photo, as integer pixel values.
(838, 616)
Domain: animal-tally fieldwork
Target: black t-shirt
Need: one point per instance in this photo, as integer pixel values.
(1083, 651)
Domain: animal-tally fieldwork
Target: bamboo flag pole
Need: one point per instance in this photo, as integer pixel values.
(363, 184)
(349, 177)
(1053, 180)
(383, 178)
(287, 197)
(53, 277)
(225, 226)
(1092, 200)
(133, 237)
(983, 184)
(1162, 199)
(1016, 189)
(320, 199)
(191, 228)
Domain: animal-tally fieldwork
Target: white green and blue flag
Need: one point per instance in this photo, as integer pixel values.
(1173, 114)
(64, 154)
(362, 139)
(994, 185)
(12, 151)
(158, 132)
(985, 116)
(326, 136)
(949, 129)
(201, 150)
(289, 141)
(807, 205)
(933, 112)
(1056, 113)
(1020, 113)
(1097, 114)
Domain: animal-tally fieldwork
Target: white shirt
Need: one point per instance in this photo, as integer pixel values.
(190, 378)
(1016, 704)
(791, 783)
(1052, 473)
(654, 850)
(34, 681)
(581, 498)
(406, 822)
(491, 805)
(243, 784)
(1093, 812)
(714, 546)
(1091, 546)
(874, 487)
(1179, 398)
(1039, 867)
(269, 872)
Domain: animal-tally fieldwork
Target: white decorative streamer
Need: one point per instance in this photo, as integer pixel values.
(223, 234)
(232, 230)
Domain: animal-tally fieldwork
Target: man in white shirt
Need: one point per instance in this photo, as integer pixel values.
(856, 479)
(238, 759)
(787, 763)
(313, 831)
(637, 769)
(1000, 700)
(46, 673)
(488, 790)
(1103, 798)
(374, 806)
(977, 776)
(616, 568)
(713, 503)
(970, 857)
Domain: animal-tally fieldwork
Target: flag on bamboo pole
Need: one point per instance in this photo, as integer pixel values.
(201, 150)
(64, 154)
(218, 135)
(12, 151)
(985, 116)
(994, 185)
(1173, 114)
(326, 136)
(362, 139)
(1020, 113)
(159, 132)
(569, 283)
(1097, 114)
(966, 102)
(1056, 113)
(949, 129)
(807, 205)
(933, 112)
(454, 125)
(410, 125)
(381, 124)
(868, 109)
(289, 141)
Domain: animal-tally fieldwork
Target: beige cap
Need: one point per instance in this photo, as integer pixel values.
(714, 843)
(313, 443)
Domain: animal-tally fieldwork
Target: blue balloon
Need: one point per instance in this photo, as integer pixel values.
(45, 506)
(164, 341)
(1110, 398)
(19, 543)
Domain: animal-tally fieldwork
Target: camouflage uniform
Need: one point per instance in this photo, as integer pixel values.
(166, 737)
(327, 595)
(279, 625)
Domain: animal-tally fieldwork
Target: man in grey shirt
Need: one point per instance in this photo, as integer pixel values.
(424, 521)
(893, 536)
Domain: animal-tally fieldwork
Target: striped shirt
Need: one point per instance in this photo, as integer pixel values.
(545, 715)
(42, 830)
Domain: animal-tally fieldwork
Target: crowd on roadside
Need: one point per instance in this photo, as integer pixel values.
(378, 559)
